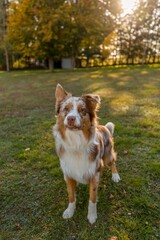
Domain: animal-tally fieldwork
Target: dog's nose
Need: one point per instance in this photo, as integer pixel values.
(71, 120)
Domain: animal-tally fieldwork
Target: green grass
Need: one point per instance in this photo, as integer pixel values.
(33, 193)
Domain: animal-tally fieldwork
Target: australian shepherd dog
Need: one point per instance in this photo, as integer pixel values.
(82, 146)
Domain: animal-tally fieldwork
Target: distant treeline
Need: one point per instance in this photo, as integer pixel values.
(40, 34)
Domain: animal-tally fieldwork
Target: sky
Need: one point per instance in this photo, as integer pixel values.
(127, 6)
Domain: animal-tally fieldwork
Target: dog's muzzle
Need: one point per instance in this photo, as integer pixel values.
(71, 122)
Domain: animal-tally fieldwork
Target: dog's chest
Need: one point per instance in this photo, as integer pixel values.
(75, 161)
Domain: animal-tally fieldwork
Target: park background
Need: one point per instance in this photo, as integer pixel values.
(78, 33)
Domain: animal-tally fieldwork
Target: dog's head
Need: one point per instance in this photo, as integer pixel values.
(75, 113)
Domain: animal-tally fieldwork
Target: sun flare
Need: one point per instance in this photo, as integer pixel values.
(128, 5)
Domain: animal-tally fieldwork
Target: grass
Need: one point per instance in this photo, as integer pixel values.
(33, 192)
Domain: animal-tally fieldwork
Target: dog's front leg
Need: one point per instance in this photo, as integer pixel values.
(71, 187)
(92, 207)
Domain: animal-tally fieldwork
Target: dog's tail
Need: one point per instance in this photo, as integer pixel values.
(110, 127)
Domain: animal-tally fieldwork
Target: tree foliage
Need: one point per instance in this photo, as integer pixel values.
(139, 34)
(57, 28)
(73, 28)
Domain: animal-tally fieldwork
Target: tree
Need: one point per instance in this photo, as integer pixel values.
(138, 33)
(3, 30)
(52, 29)
(148, 15)
(100, 24)
(33, 28)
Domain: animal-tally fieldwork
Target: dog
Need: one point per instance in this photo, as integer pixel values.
(83, 146)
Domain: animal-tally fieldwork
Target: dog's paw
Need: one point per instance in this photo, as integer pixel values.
(92, 218)
(68, 213)
(115, 177)
(92, 212)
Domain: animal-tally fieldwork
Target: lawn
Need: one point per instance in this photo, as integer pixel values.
(33, 193)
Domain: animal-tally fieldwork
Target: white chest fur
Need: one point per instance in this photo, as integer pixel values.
(75, 161)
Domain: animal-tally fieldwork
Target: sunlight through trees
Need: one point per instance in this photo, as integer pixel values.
(89, 32)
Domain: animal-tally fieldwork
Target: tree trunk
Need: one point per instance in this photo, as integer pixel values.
(3, 7)
(51, 64)
(73, 61)
(87, 62)
(133, 60)
(144, 56)
(7, 58)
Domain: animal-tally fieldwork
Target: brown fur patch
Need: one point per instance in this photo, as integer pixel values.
(71, 188)
(100, 168)
(86, 127)
(109, 145)
(109, 155)
(68, 107)
(113, 168)
(92, 104)
(94, 150)
(105, 133)
(93, 187)
(81, 109)
(61, 127)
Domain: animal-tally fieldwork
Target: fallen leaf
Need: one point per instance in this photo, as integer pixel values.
(114, 238)
(18, 226)
(111, 196)
(125, 152)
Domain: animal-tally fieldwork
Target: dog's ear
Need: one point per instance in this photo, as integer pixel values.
(60, 95)
(92, 104)
(92, 101)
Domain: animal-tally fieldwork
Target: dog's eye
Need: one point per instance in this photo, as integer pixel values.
(66, 109)
(83, 111)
